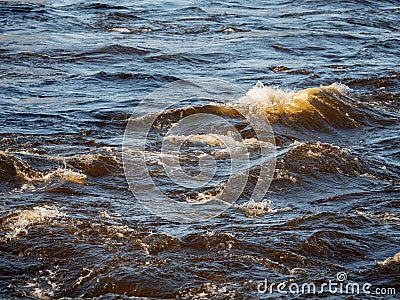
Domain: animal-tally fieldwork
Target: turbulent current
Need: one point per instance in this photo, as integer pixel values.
(326, 76)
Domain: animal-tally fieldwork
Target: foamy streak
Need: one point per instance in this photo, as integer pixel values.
(213, 140)
(216, 140)
(121, 29)
(20, 222)
(24, 172)
(65, 174)
(275, 100)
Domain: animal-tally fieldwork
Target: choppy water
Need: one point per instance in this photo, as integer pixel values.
(71, 74)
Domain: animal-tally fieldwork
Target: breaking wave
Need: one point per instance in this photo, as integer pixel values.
(18, 222)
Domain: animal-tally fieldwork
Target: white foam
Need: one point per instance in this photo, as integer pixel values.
(19, 222)
(384, 216)
(121, 29)
(65, 174)
(213, 140)
(395, 259)
(206, 196)
(45, 286)
(267, 96)
(275, 100)
(105, 214)
(255, 209)
(282, 174)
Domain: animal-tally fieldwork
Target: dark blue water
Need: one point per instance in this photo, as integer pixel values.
(71, 74)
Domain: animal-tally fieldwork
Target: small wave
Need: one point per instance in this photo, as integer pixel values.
(375, 83)
(283, 176)
(212, 140)
(96, 164)
(209, 240)
(15, 172)
(113, 50)
(394, 260)
(335, 245)
(23, 6)
(123, 16)
(257, 209)
(324, 109)
(101, 6)
(217, 140)
(284, 49)
(284, 69)
(276, 101)
(318, 158)
(135, 76)
(121, 29)
(131, 30)
(205, 196)
(233, 29)
(382, 216)
(19, 222)
(110, 115)
(389, 268)
(65, 174)
(175, 58)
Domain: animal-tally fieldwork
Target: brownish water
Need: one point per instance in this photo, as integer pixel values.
(71, 74)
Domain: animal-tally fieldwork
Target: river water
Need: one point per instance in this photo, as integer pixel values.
(325, 74)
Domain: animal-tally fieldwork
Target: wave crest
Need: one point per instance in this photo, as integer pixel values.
(273, 100)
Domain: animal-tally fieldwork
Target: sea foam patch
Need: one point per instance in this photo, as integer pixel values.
(18, 223)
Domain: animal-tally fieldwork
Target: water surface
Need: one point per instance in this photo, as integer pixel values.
(71, 73)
